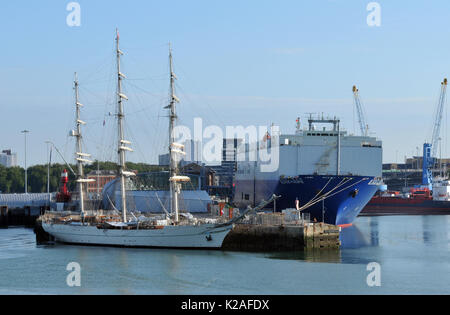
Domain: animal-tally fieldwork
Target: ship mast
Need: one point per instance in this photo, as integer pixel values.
(173, 163)
(174, 148)
(80, 156)
(122, 142)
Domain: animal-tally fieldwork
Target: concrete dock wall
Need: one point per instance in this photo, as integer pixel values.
(4, 222)
(253, 237)
(19, 216)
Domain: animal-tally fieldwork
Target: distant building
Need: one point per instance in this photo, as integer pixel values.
(101, 179)
(193, 150)
(205, 173)
(220, 177)
(150, 191)
(226, 170)
(163, 160)
(224, 173)
(21, 201)
(415, 163)
(402, 176)
(8, 159)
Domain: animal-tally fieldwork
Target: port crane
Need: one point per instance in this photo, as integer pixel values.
(359, 109)
(430, 149)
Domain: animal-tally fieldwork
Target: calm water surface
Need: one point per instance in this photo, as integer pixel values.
(413, 252)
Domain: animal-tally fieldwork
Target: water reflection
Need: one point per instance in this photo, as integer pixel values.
(362, 235)
(448, 231)
(413, 251)
(353, 237)
(310, 255)
(82, 255)
(124, 283)
(374, 231)
(426, 235)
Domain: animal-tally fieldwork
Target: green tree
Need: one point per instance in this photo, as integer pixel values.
(16, 179)
(12, 179)
(4, 183)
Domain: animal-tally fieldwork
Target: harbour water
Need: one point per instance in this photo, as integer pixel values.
(413, 253)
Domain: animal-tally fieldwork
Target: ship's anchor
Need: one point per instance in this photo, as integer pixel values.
(209, 238)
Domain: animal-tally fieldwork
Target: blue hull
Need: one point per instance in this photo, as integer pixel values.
(346, 195)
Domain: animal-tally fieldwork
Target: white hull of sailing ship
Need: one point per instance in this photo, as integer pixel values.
(180, 236)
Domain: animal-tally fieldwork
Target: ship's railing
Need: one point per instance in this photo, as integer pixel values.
(87, 213)
(90, 216)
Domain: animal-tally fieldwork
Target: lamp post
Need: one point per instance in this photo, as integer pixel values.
(49, 157)
(25, 132)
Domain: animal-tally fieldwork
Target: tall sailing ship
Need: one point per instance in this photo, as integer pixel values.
(174, 230)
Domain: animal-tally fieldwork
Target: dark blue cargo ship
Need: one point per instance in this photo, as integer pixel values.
(332, 175)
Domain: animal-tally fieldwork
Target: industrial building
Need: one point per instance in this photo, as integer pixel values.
(101, 177)
(8, 159)
(221, 182)
(402, 176)
(193, 150)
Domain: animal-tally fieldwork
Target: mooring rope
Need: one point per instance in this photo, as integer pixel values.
(318, 194)
(313, 200)
(328, 196)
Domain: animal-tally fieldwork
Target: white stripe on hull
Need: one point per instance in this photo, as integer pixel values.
(202, 236)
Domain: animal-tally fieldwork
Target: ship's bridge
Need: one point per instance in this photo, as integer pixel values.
(320, 150)
(318, 134)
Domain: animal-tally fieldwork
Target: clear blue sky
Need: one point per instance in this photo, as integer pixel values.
(238, 62)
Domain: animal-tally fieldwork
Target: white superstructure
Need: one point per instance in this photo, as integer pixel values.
(441, 190)
(324, 151)
(315, 152)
